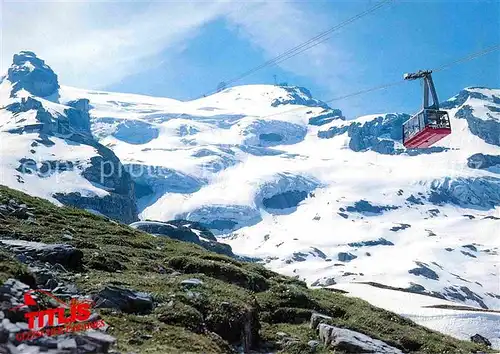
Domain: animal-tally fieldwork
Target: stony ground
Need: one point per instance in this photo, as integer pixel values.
(158, 295)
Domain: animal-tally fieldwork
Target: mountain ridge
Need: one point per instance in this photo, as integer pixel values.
(306, 190)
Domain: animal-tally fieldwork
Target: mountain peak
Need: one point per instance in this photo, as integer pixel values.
(30, 73)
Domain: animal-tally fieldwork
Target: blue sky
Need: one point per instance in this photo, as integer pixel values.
(184, 49)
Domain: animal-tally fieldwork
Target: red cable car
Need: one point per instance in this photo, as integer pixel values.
(430, 124)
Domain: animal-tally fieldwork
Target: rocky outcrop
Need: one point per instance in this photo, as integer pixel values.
(484, 162)
(367, 208)
(484, 128)
(186, 231)
(267, 133)
(345, 340)
(380, 242)
(30, 73)
(298, 96)
(424, 271)
(63, 254)
(223, 218)
(483, 192)
(284, 192)
(78, 116)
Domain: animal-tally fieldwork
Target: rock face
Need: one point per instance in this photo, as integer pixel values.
(481, 192)
(284, 192)
(424, 271)
(484, 162)
(488, 130)
(345, 340)
(30, 73)
(223, 218)
(64, 128)
(267, 133)
(186, 231)
(367, 208)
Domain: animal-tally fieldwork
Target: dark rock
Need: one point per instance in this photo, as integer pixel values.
(365, 207)
(479, 339)
(30, 73)
(285, 200)
(414, 200)
(346, 257)
(471, 247)
(468, 254)
(400, 227)
(64, 254)
(126, 300)
(424, 271)
(380, 242)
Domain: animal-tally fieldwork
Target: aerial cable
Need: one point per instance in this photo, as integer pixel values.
(464, 59)
(310, 43)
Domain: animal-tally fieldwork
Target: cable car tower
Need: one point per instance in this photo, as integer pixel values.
(430, 124)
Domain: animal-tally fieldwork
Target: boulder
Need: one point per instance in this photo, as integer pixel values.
(479, 339)
(345, 340)
(317, 318)
(126, 300)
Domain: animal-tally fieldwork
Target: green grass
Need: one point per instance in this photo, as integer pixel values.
(206, 318)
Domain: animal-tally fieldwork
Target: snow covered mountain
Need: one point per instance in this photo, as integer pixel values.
(47, 149)
(281, 176)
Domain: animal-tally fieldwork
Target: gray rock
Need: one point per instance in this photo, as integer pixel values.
(95, 341)
(67, 343)
(189, 283)
(349, 341)
(317, 318)
(126, 300)
(64, 254)
(313, 344)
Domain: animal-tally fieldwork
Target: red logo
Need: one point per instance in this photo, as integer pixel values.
(67, 317)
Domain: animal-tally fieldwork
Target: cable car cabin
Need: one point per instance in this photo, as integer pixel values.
(426, 128)
(430, 124)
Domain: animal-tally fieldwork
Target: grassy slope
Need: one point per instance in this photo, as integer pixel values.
(117, 254)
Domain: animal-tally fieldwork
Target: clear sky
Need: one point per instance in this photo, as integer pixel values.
(182, 49)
